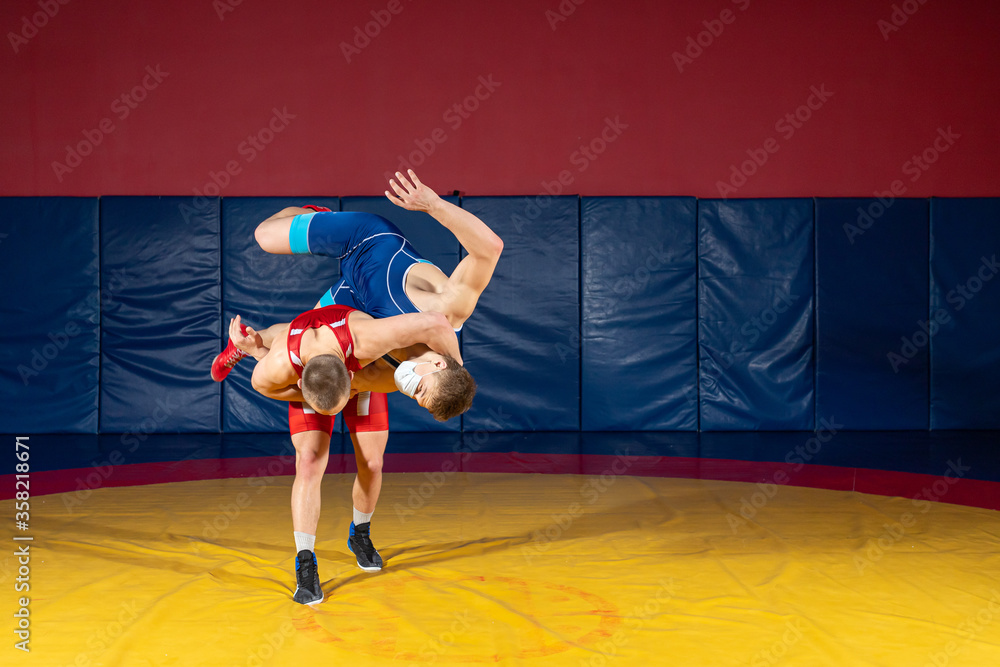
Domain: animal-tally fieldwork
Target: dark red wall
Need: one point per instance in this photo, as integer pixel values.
(557, 87)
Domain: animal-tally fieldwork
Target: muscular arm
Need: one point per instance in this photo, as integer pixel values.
(274, 377)
(377, 376)
(478, 240)
(373, 338)
(289, 393)
(474, 272)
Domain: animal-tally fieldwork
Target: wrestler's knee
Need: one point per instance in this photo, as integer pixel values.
(374, 466)
(310, 466)
(272, 234)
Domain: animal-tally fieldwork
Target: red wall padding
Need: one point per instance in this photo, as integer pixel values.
(554, 89)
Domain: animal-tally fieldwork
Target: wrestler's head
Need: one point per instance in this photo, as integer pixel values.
(326, 384)
(438, 383)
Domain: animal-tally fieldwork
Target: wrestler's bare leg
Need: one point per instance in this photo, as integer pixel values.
(272, 234)
(369, 448)
(312, 451)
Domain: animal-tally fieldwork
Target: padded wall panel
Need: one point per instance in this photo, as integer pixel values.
(50, 310)
(522, 343)
(756, 314)
(264, 289)
(160, 332)
(871, 293)
(965, 296)
(639, 326)
(436, 244)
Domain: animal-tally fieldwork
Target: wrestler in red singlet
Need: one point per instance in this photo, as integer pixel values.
(358, 417)
(302, 417)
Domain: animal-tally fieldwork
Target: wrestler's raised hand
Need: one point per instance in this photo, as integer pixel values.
(411, 194)
(250, 342)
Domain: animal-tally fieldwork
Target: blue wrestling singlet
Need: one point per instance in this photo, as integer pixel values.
(374, 259)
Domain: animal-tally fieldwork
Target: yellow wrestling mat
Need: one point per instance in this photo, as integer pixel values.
(510, 569)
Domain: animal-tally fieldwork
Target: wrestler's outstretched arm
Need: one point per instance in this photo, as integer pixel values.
(473, 273)
(374, 338)
(273, 376)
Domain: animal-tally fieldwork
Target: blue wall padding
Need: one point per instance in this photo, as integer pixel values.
(756, 314)
(116, 308)
(50, 310)
(640, 326)
(871, 292)
(161, 319)
(434, 243)
(965, 294)
(523, 342)
(263, 289)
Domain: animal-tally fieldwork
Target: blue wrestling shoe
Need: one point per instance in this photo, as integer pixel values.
(360, 543)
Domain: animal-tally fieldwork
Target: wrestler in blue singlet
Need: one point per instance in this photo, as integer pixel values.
(374, 259)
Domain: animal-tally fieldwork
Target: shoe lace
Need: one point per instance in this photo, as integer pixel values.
(305, 569)
(365, 541)
(234, 357)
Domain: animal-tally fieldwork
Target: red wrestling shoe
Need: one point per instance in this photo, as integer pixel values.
(318, 209)
(228, 358)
